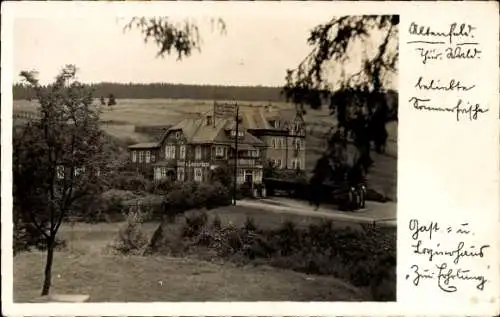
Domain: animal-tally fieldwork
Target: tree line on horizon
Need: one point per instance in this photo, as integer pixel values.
(172, 91)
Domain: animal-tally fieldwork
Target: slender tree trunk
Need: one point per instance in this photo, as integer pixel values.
(48, 266)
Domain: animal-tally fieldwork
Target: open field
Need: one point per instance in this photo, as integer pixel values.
(120, 121)
(86, 266)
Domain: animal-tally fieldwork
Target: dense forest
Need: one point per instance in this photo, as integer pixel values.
(174, 91)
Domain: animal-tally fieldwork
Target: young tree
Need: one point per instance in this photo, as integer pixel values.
(57, 159)
(111, 100)
(358, 100)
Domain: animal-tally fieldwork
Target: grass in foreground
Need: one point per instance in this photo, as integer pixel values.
(87, 267)
(140, 279)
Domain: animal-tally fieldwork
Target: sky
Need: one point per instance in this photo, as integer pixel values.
(253, 51)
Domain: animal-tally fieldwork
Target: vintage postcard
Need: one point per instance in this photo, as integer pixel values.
(250, 158)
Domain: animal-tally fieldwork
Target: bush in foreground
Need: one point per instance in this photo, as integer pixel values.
(366, 258)
(181, 198)
(131, 239)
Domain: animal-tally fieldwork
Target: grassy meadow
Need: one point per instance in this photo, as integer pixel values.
(87, 266)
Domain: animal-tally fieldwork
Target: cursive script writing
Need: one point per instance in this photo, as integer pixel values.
(451, 53)
(436, 85)
(445, 265)
(462, 53)
(453, 31)
(472, 111)
(445, 277)
(457, 252)
(416, 228)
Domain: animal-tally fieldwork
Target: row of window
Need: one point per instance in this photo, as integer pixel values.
(170, 153)
(240, 134)
(143, 156)
(278, 163)
(294, 127)
(279, 143)
(162, 172)
(220, 151)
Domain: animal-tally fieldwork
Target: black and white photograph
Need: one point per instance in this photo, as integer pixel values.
(222, 157)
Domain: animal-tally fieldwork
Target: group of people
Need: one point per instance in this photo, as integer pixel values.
(349, 180)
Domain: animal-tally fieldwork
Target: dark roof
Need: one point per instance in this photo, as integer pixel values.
(147, 145)
(196, 130)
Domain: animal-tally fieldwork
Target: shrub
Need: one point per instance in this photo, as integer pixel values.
(365, 258)
(250, 224)
(151, 206)
(216, 223)
(190, 195)
(113, 205)
(162, 187)
(223, 175)
(131, 239)
(167, 240)
(194, 224)
(218, 195)
(129, 180)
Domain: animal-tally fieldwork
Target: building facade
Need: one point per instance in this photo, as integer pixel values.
(191, 149)
(283, 133)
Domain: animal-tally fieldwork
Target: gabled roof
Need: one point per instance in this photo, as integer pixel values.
(207, 133)
(250, 139)
(187, 126)
(284, 115)
(254, 120)
(196, 130)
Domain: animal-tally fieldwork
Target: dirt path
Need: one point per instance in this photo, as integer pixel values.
(374, 213)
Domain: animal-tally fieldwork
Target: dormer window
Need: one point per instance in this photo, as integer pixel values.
(209, 120)
(233, 133)
(276, 124)
(219, 151)
(178, 134)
